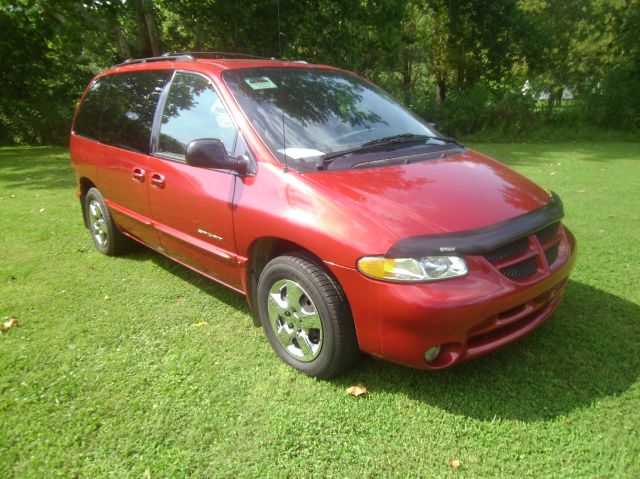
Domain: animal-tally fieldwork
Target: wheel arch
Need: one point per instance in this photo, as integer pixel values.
(84, 185)
(263, 250)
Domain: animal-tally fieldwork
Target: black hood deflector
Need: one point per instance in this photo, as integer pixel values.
(479, 240)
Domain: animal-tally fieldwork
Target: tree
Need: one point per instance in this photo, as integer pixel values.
(451, 57)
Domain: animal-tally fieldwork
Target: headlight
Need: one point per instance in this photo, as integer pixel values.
(410, 270)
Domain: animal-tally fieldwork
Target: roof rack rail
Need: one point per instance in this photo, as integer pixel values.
(220, 55)
(163, 58)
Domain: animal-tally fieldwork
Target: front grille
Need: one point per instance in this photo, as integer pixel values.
(552, 254)
(509, 250)
(521, 270)
(518, 259)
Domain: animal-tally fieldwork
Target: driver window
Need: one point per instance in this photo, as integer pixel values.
(193, 110)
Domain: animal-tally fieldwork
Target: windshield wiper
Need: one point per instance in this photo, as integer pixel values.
(388, 140)
(369, 145)
(324, 161)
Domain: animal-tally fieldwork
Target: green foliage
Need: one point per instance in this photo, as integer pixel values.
(615, 102)
(463, 63)
(482, 108)
(49, 58)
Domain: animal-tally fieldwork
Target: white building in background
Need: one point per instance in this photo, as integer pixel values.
(566, 95)
(544, 96)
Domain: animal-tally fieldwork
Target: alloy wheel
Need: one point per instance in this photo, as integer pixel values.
(295, 320)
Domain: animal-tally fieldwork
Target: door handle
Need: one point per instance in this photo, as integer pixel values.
(157, 181)
(138, 175)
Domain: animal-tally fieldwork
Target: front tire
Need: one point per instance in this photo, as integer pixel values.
(306, 317)
(106, 236)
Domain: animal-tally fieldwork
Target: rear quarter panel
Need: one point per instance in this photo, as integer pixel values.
(82, 152)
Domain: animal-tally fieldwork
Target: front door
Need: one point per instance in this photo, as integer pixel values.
(192, 207)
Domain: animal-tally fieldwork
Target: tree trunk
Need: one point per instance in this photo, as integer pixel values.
(406, 76)
(141, 24)
(460, 78)
(559, 96)
(151, 26)
(197, 38)
(551, 100)
(441, 89)
(123, 44)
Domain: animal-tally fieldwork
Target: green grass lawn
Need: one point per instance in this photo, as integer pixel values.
(113, 371)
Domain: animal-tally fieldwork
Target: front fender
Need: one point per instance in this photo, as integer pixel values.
(283, 204)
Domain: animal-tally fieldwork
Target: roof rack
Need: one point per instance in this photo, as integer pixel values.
(219, 55)
(190, 56)
(163, 58)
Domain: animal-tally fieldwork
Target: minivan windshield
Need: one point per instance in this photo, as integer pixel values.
(322, 112)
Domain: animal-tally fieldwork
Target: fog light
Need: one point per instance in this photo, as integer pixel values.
(431, 354)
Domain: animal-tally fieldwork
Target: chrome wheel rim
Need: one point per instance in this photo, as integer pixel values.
(98, 224)
(295, 320)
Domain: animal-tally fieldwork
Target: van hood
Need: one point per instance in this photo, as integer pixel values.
(458, 193)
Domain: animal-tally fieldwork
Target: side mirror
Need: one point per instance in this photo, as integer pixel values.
(211, 153)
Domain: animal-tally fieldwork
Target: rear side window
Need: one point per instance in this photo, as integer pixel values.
(129, 106)
(87, 122)
(193, 111)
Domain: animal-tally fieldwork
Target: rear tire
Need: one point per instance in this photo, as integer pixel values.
(306, 317)
(106, 236)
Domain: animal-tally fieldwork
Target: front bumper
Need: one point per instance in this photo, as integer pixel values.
(468, 317)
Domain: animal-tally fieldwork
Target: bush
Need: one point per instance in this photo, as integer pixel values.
(614, 103)
(483, 113)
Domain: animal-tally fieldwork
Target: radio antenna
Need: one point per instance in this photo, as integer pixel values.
(282, 95)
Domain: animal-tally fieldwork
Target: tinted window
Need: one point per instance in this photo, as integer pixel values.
(129, 107)
(88, 118)
(193, 110)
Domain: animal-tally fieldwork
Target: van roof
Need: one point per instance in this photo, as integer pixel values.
(218, 60)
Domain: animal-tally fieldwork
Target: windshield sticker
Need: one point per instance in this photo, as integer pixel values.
(260, 83)
(301, 153)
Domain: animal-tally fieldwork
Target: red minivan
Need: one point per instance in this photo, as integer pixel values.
(348, 223)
